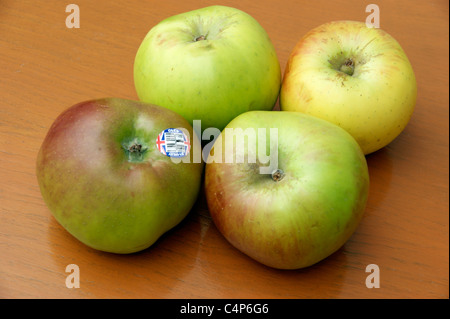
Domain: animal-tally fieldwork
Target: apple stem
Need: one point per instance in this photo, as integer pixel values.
(134, 151)
(200, 37)
(348, 67)
(277, 175)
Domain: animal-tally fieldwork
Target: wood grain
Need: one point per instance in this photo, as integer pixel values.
(46, 67)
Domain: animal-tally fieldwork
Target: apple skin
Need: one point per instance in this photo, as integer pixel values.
(307, 215)
(98, 191)
(374, 104)
(233, 70)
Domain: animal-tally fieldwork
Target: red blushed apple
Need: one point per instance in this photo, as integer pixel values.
(105, 181)
(309, 205)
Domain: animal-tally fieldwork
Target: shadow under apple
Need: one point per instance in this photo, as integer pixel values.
(235, 275)
(150, 273)
(380, 174)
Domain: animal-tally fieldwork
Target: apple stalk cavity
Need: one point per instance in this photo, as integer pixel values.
(134, 150)
(348, 67)
(200, 38)
(277, 175)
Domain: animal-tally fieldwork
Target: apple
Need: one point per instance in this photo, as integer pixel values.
(106, 182)
(210, 64)
(354, 76)
(310, 204)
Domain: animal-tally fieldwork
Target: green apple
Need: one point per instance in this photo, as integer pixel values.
(104, 179)
(354, 76)
(210, 64)
(310, 204)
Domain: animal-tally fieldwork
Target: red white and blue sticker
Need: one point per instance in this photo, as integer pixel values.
(173, 143)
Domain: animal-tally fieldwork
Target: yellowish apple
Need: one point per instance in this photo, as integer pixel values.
(354, 76)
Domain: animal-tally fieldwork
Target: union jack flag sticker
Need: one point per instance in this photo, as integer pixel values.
(173, 142)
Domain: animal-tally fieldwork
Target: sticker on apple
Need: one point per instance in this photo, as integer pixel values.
(173, 143)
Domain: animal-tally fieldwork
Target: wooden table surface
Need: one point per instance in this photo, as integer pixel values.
(46, 67)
